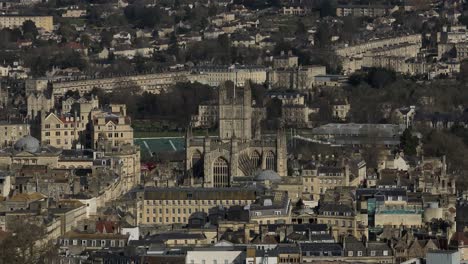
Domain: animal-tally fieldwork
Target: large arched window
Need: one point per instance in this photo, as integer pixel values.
(255, 159)
(221, 173)
(270, 161)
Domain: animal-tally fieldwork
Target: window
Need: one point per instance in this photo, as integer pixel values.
(57, 133)
(221, 173)
(350, 253)
(47, 134)
(57, 125)
(270, 161)
(385, 252)
(359, 253)
(372, 253)
(112, 243)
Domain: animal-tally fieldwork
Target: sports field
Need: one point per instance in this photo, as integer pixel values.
(151, 146)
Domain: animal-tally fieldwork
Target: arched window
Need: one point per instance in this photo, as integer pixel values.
(255, 159)
(221, 173)
(270, 161)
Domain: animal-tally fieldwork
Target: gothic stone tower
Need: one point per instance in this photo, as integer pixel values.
(235, 112)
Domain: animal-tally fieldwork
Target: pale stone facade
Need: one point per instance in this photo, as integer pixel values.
(11, 132)
(364, 10)
(354, 56)
(45, 22)
(301, 77)
(239, 150)
(176, 205)
(38, 103)
(61, 130)
(68, 129)
(340, 109)
(217, 75)
(153, 83)
(112, 125)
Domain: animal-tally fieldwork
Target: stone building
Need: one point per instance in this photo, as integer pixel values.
(285, 60)
(45, 22)
(239, 149)
(365, 10)
(354, 57)
(152, 83)
(297, 77)
(37, 103)
(60, 130)
(240, 74)
(11, 132)
(176, 205)
(112, 124)
(340, 109)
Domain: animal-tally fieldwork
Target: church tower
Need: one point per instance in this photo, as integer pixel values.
(235, 112)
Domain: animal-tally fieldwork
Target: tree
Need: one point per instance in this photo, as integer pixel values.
(106, 38)
(409, 143)
(323, 35)
(25, 243)
(68, 32)
(29, 30)
(173, 46)
(212, 10)
(327, 8)
(301, 31)
(85, 39)
(380, 77)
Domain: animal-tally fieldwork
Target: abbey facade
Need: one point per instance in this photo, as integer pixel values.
(239, 149)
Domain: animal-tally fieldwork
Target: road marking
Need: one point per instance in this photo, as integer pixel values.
(149, 150)
(172, 144)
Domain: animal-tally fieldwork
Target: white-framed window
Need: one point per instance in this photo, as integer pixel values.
(359, 253)
(93, 243)
(385, 252)
(112, 243)
(372, 253)
(103, 243)
(84, 243)
(350, 253)
(75, 242)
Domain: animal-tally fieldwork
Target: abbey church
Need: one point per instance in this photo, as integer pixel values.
(239, 150)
